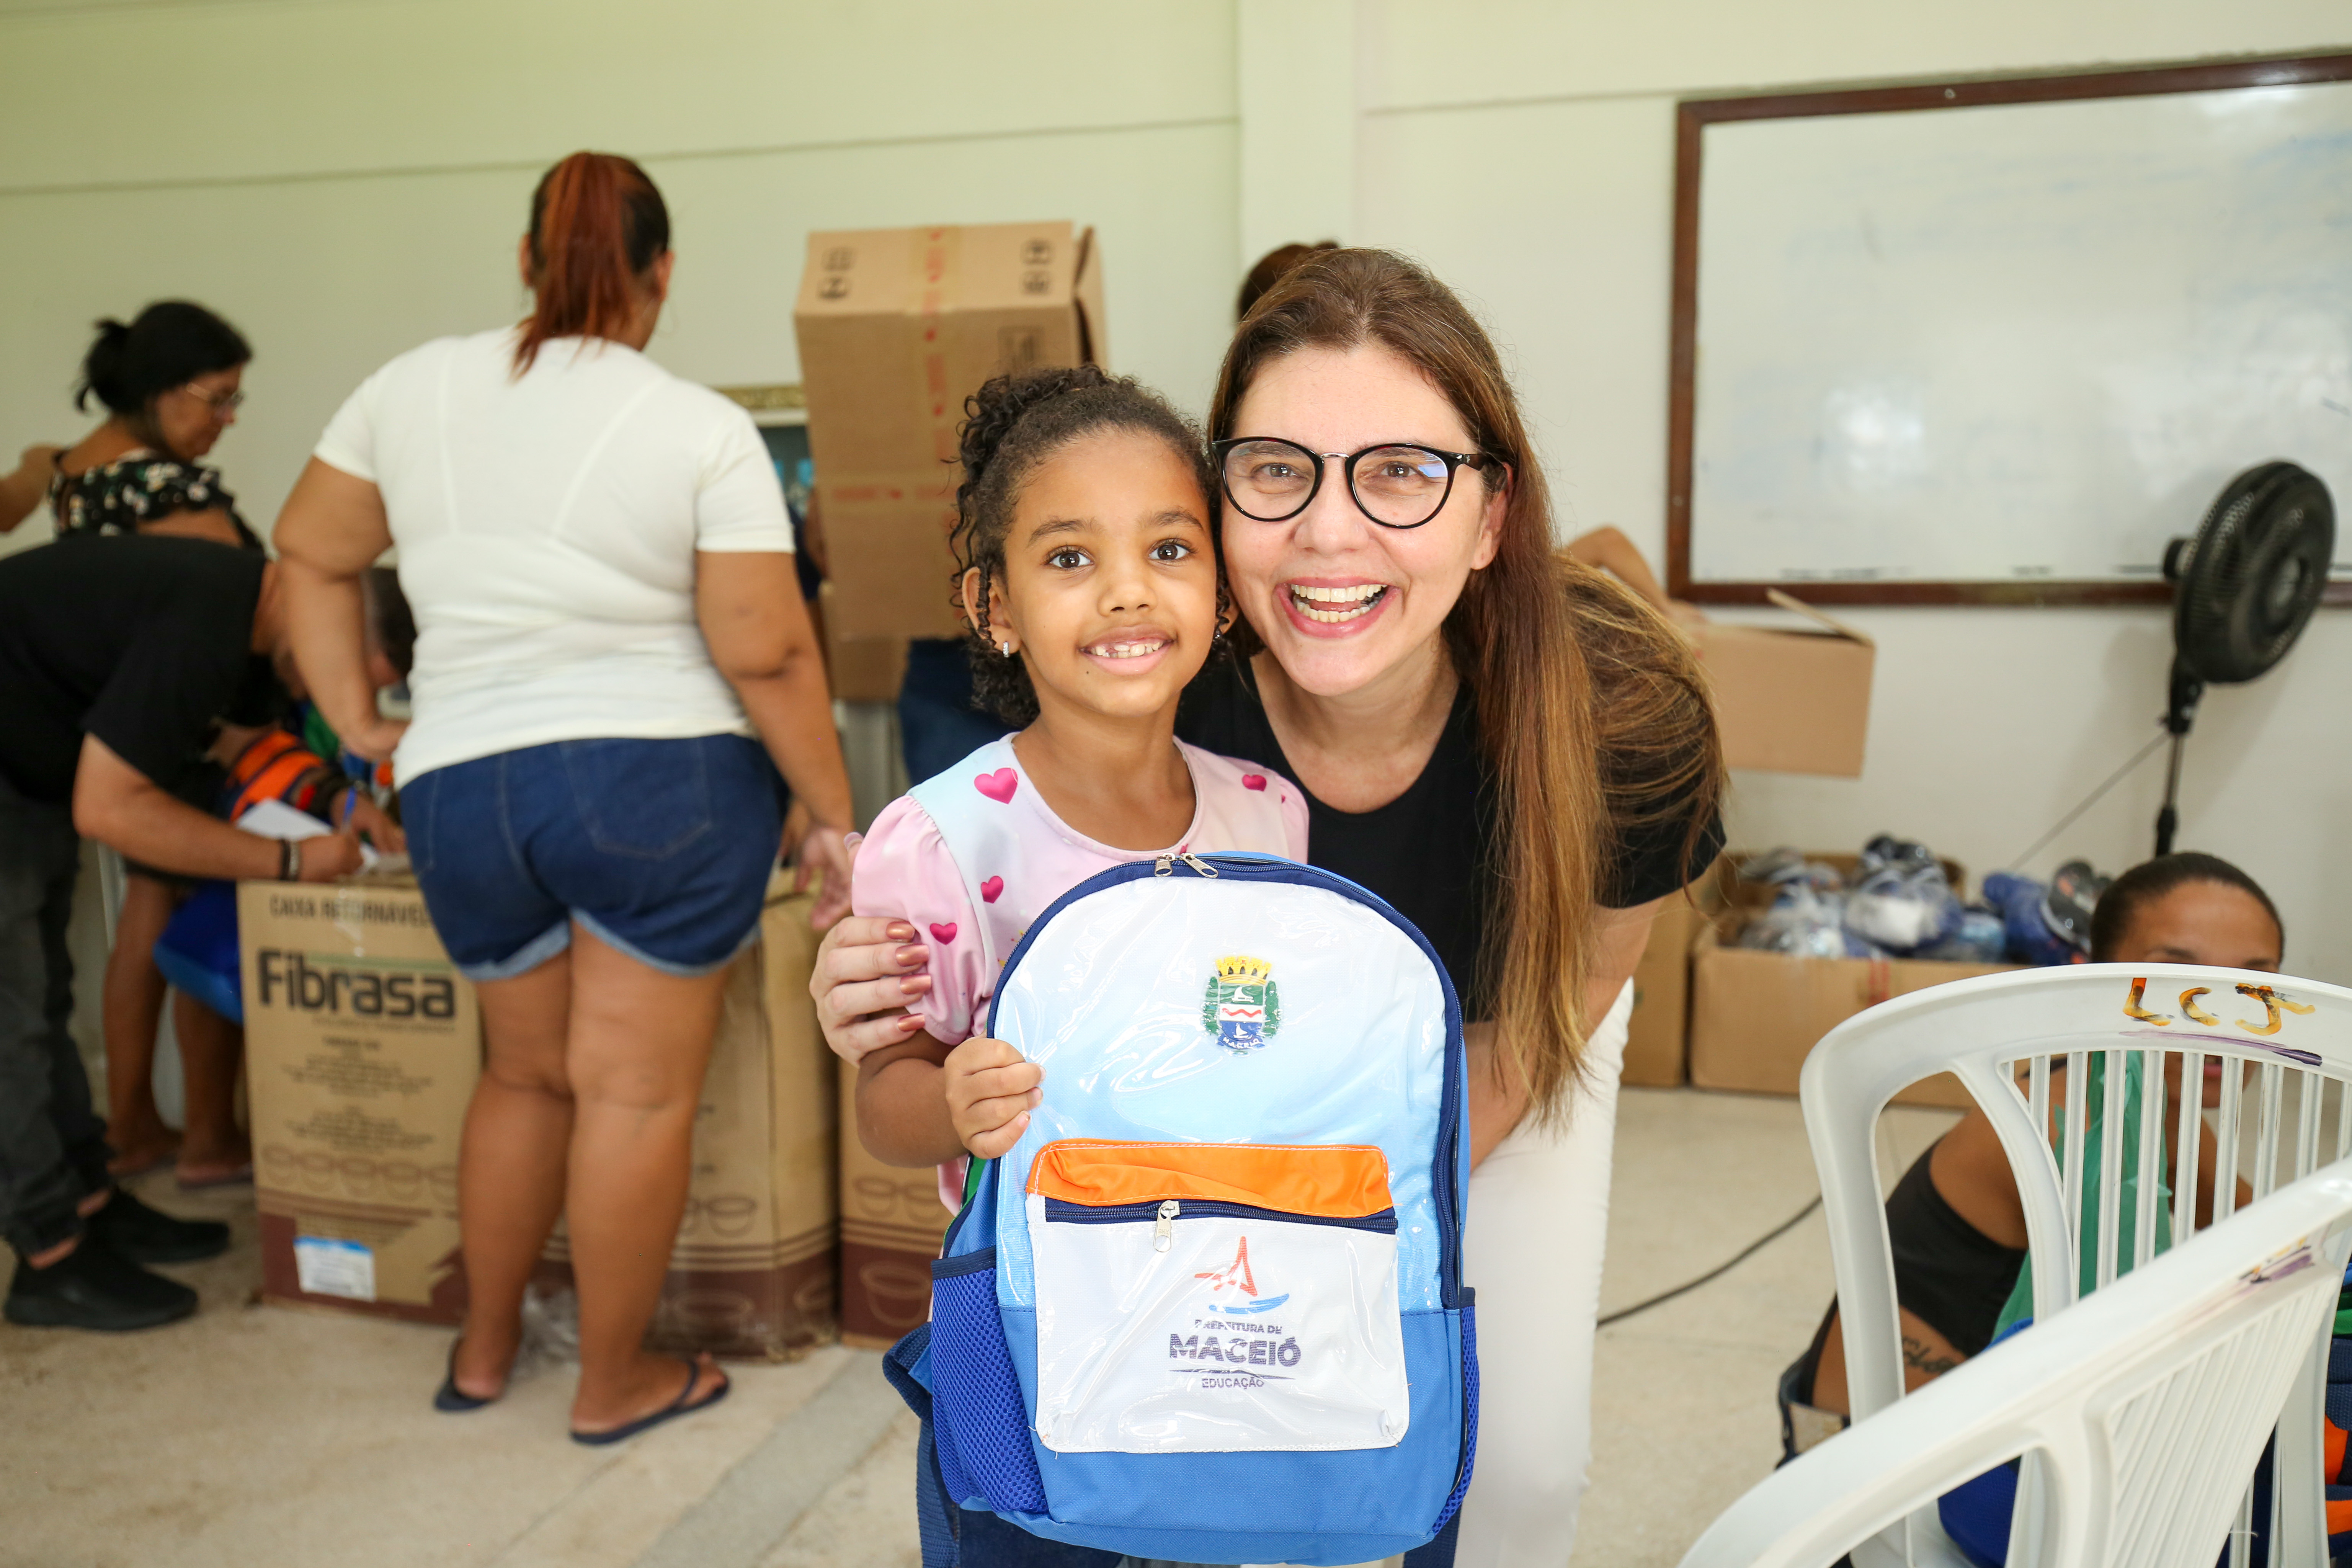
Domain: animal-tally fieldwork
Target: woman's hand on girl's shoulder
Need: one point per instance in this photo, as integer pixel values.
(868, 967)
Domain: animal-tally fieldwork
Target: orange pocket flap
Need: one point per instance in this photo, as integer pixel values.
(1331, 1181)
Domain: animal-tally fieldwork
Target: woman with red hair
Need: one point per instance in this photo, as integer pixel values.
(612, 663)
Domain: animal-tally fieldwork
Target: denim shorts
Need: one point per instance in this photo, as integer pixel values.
(661, 847)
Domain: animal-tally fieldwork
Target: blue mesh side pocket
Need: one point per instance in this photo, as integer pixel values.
(1469, 1407)
(981, 1415)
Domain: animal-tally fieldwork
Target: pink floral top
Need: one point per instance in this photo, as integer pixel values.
(906, 870)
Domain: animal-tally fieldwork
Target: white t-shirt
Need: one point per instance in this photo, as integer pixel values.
(547, 528)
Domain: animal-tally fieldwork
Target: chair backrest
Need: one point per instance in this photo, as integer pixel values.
(2143, 1408)
(2132, 1034)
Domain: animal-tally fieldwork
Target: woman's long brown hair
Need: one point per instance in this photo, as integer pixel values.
(1514, 636)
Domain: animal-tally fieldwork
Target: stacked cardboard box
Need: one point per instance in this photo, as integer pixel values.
(1790, 700)
(362, 1045)
(1756, 1014)
(897, 327)
(1657, 1040)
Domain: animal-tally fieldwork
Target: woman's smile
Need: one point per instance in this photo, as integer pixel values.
(1325, 607)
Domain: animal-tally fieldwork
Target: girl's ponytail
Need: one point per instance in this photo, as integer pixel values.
(597, 226)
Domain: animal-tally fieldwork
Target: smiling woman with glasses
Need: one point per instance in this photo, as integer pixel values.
(169, 383)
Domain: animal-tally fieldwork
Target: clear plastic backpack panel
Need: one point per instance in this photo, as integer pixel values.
(1215, 1299)
(1248, 1012)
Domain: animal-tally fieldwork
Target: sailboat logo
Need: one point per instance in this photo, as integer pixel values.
(1233, 1289)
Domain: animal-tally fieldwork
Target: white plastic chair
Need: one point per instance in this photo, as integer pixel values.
(2294, 1034)
(2143, 1408)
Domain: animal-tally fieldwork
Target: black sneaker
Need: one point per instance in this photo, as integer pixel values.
(90, 1287)
(141, 1235)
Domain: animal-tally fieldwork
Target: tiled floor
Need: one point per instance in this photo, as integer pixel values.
(261, 1436)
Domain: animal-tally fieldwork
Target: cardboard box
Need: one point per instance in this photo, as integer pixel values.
(1794, 700)
(861, 670)
(892, 1225)
(897, 327)
(1755, 1015)
(362, 1045)
(751, 1273)
(1658, 1035)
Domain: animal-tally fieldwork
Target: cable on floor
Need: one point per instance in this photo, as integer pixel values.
(1719, 1270)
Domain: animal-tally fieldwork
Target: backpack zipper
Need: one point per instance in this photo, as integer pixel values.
(1166, 864)
(1164, 1214)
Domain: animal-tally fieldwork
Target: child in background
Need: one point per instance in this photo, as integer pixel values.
(1092, 588)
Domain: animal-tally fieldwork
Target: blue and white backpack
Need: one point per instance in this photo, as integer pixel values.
(1210, 1307)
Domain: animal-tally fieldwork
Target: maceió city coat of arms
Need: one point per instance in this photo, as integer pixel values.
(1241, 1009)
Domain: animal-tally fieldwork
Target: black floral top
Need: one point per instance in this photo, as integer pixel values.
(121, 496)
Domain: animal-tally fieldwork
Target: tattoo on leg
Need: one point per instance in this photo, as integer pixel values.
(1917, 1356)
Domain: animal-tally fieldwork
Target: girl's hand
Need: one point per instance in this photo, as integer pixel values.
(868, 968)
(991, 1088)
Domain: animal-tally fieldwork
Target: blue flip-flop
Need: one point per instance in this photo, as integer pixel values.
(449, 1398)
(670, 1412)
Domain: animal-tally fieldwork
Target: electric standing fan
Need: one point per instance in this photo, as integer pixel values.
(2244, 587)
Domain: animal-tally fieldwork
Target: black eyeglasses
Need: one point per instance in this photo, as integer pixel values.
(1396, 484)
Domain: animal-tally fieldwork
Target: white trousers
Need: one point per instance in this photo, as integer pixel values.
(1539, 1224)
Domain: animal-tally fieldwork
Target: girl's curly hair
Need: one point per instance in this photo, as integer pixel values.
(1013, 424)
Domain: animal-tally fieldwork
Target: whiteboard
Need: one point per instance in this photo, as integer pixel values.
(2012, 342)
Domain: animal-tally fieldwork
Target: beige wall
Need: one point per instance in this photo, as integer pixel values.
(352, 178)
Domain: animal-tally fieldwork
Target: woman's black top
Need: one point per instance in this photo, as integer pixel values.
(1429, 852)
(120, 495)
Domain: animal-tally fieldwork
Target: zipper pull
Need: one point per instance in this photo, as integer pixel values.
(1199, 865)
(1159, 1233)
(1163, 866)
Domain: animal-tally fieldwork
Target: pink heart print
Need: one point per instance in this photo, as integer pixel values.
(992, 890)
(943, 930)
(1254, 780)
(998, 786)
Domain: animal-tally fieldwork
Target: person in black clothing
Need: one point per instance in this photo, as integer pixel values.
(118, 656)
(168, 383)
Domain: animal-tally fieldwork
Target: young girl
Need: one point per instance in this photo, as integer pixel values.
(1091, 585)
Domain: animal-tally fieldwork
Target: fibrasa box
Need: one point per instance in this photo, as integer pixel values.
(362, 1045)
(897, 327)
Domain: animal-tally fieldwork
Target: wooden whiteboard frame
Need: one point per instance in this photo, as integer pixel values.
(1693, 115)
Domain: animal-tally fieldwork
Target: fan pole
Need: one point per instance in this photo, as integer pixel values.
(2179, 712)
